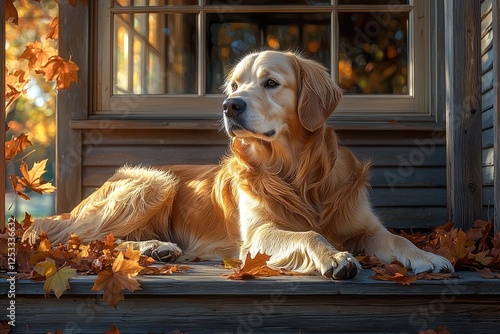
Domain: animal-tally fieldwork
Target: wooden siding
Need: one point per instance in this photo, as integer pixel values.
(409, 173)
(201, 301)
(488, 75)
(496, 111)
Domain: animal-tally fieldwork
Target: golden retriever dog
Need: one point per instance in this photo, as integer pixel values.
(285, 189)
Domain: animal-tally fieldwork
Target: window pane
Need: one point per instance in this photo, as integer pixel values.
(373, 52)
(232, 36)
(390, 3)
(155, 54)
(119, 3)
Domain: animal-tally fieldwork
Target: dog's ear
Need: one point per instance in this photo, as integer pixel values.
(318, 94)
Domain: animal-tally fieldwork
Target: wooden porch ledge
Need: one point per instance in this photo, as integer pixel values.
(201, 301)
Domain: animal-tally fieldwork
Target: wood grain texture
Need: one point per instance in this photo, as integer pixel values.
(203, 301)
(496, 111)
(463, 108)
(72, 103)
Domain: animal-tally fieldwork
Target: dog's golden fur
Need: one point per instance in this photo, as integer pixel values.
(285, 189)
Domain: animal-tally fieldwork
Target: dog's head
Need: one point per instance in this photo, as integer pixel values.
(272, 93)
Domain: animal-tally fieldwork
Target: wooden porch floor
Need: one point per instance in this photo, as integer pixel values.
(200, 300)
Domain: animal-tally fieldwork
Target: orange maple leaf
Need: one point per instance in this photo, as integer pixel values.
(37, 55)
(255, 267)
(16, 145)
(112, 330)
(121, 276)
(33, 180)
(53, 29)
(63, 71)
(11, 14)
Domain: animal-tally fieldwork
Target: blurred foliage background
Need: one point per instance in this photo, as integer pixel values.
(34, 112)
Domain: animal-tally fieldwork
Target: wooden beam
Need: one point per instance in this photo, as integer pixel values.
(2, 121)
(463, 110)
(72, 104)
(496, 111)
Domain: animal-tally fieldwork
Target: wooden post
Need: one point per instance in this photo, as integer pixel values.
(496, 111)
(72, 104)
(463, 110)
(2, 121)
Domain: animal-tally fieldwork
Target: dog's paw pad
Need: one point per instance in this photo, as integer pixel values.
(162, 251)
(344, 266)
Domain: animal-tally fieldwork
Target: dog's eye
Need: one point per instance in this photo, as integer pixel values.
(234, 86)
(271, 83)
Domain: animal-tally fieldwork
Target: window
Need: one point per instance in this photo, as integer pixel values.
(170, 57)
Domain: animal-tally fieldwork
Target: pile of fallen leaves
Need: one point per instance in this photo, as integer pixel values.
(56, 264)
(477, 249)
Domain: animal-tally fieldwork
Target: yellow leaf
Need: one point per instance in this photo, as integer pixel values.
(58, 282)
(33, 180)
(46, 268)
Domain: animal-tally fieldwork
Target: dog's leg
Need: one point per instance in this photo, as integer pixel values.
(158, 250)
(134, 204)
(303, 252)
(379, 242)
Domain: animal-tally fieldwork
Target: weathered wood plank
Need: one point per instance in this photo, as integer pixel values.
(463, 106)
(154, 137)
(487, 80)
(486, 63)
(488, 175)
(408, 197)
(416, 217)
(496, 108)
(488, 117)
(488, 156)
(488, 138)
(145, 155)
(200, 300)
(72, 103)
(486, 40)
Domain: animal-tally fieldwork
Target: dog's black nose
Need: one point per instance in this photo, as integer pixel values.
(233, 107)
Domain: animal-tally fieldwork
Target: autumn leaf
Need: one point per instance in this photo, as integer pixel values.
(56, 280)
(231, 263)
(487, 273)
(63, 71)
(440, 330)
(4, 327)
(120, 277)
(395, 272)
(110, 240)
(53, 32)
(18, 188)
(16, 145)
(33, 180)
(112, 330)
(255, 267)
(11, 14)
(37, 55)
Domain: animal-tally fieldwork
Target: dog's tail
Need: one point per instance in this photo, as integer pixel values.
(135, 203)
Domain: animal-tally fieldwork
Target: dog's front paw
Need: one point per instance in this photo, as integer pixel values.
(340, 265)
(428, 262)
(160, 250)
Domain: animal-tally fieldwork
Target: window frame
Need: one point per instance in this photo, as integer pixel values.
(420, 103)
